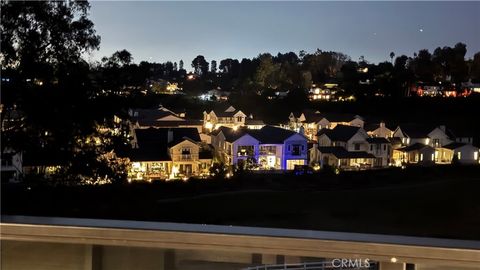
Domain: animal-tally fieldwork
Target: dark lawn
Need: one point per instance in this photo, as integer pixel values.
(435, 202)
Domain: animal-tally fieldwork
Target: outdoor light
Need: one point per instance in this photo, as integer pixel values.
(393, 260)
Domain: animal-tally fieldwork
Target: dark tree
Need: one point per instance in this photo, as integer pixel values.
(200, 65)
(45, 35)
(213, 67)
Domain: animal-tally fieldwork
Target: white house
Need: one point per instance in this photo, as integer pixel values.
(229, 117)
(462, 153)
(432, 136)
(313, 121)
(378, 130)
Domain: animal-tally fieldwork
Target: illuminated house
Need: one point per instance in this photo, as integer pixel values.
(269, 147)
(226, 117)
(339, 157)
(310, 122)
(349, 137)
(461, 153)
(349, 147)
(416, 153)
(378, 130)
(160, 117)
(427, 135)
(381, 148)
(161, 153)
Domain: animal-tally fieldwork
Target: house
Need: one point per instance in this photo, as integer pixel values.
(416, 153)
(424, 134)
(161, 153)
(254, 123)
(144, 118)
(269, 147)
(339, 157)
(457, 152)
(227, 117)
(312, 121)
(161, 117)
(381, 148)
(349, 137)
(11, 166)
(378, 130)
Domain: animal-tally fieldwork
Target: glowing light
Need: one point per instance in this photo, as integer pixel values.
(208, 125)
(393, 260)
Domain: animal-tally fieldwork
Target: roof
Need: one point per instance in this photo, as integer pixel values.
(230, 134)
(159, 136)
(149, 154)
(378, 140)
(416, 131)
(455, 145)
(153, 142)
(342, 153)
(413, 147)
(271, 134)
(266, 135)
(184, 123)
(149, 116)
(341, 133)
(249, 121)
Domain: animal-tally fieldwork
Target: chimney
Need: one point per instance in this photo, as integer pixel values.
(169, 135)
(382, 124)
(443, 128)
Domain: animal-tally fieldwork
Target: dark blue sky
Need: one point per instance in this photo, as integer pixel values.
(170, 31)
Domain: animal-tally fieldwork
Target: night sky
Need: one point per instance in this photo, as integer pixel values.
(170, 31)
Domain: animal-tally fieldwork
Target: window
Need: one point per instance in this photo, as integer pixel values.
(371, 147)
(357, 146)
(384, 147)
(296, 150)
(245, 151)
(459, 155)
(268, 150)
(436, 142)
(239, 119)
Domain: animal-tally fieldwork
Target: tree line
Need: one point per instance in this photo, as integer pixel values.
(58, 98)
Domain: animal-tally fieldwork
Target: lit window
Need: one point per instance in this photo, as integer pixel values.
(475, 155)
(459, 155)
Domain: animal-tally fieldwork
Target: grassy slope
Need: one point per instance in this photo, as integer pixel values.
(424, 202)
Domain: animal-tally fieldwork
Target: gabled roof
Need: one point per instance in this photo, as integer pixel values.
(454, 145)
(271, 134)
(153, 143)
(313, 116)
(377, 140)
(265, 135)
(249, 121)
(341, 153)
(149, 154)
(159, 136)
(416, 131)
(148, 116)
(413, 147)
(172, 124)
(339, 133)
